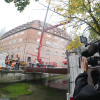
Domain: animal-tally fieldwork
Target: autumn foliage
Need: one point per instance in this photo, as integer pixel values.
(74, 44)
(80, 12)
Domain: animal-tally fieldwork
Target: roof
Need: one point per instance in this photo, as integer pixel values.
(37, 24)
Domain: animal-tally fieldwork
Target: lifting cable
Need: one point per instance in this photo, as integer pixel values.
(44, 21)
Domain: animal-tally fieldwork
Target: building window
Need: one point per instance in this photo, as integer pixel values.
(5, 43)
(11, 56)
(40, 27)
(10, 42)
(16, 34)
(21, 33)
(42, 59)
(62, 55)
(11, 36)
(62, 46)
(48, 30)
(56, 38)
(48, 42)
(62, 39)
(5, 51)
(29, 59)
(8, 50)
(14, 41)
(7, 37)
(20, 39)
(47, 52)
(55, 44)
(48, 35)
(55, 32)
(38, 40)
(39, 33)
(56, 54)
(36, 50)
(18, 49)
(61, 34)
(4, 39)
(12, 49)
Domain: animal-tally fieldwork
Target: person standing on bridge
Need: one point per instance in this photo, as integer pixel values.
(82, 90)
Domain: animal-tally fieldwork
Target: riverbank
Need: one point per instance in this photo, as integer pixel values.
(43, 93)
(36, 90)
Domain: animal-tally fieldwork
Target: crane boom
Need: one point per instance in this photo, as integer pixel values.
(41, 37)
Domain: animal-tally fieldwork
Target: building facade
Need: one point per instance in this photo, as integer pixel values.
(24, 40)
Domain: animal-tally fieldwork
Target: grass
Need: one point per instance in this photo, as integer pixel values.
(50, 93)
(57, 77)
(42, 87)
(14, 90)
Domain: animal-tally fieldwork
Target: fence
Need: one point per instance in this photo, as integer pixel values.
(73, 70)
(2, 60)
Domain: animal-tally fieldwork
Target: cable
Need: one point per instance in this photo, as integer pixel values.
(49, 8)
(24, 56)
(50, 17)
(43, 28)
(46, 15)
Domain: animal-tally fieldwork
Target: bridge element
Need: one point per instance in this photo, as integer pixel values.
(46, 70)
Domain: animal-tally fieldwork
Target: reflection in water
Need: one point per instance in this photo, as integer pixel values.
(59, 84)
(4, 99)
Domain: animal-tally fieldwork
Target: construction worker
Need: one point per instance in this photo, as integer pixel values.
(37, 65)
(8, 61)
(18, 61)
(18, 57)
(12, 65)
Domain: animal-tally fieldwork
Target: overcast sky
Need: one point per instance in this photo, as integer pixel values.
(11, 18)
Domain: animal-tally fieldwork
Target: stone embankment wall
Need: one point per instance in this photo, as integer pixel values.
(18, 76)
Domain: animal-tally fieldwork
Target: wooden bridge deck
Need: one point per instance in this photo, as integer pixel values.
(46, 70)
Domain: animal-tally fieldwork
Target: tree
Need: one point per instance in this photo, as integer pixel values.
(93, 36)
(20, 4)
(80, 12)
(74, 44)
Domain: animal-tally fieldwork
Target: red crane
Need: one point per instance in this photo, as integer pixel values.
(40, 43)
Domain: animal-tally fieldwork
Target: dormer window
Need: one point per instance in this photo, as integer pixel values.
(11, 36)
(21, 33)
(16, 34)
(40, 27)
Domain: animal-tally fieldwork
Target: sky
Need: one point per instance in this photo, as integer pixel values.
(11, 18)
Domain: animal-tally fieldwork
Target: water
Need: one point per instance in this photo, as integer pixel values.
(59, 84)
(4, 99)
(48, 89)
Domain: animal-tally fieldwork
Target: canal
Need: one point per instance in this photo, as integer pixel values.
(52, 88)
